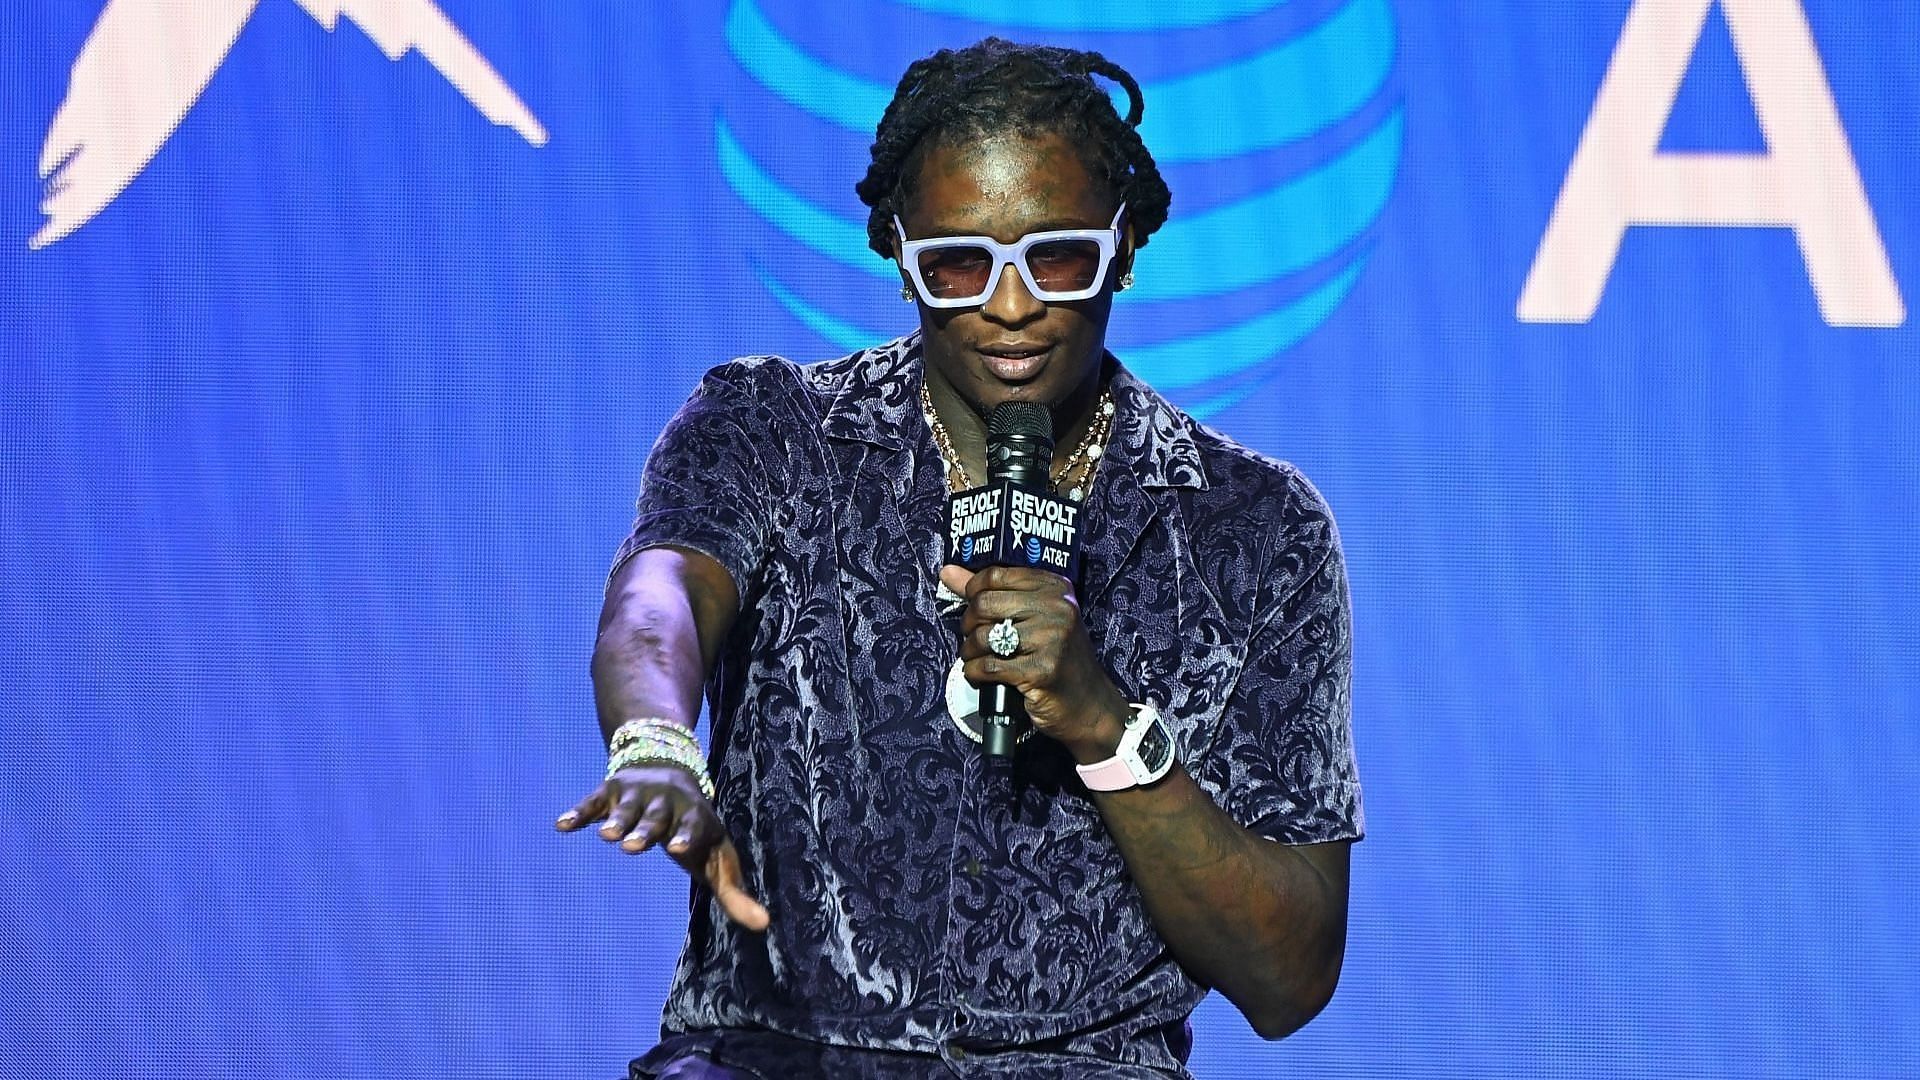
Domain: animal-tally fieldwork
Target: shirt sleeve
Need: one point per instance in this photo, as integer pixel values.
(1282, 763)
(706, 486)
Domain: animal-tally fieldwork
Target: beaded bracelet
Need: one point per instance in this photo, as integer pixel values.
(657, 726)
(650, 740)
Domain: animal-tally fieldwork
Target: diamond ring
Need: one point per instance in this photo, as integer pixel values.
(1003, 639)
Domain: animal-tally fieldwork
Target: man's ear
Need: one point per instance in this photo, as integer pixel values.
(905, 281)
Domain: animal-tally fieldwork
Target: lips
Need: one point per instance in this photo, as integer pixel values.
(1014, 361)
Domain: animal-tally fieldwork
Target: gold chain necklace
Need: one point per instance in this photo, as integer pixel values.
(1074, 481)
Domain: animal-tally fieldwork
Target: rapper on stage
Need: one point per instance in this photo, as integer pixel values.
(875, 895)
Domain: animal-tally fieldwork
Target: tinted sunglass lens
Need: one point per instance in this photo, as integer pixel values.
(1064, 265)
(958, 270)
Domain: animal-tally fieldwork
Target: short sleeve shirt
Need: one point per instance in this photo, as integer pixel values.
(926, 899)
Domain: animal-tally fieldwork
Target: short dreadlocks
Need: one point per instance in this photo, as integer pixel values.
(996, 86)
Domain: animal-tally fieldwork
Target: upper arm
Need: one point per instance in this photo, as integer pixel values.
(1281, 762)
(710, 482)
(1333, 861)
(1317, 927)
(709, 487)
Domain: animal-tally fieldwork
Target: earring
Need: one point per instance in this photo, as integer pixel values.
(1126, 281)
(906, 292)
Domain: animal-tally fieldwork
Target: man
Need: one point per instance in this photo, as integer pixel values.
(882, 899)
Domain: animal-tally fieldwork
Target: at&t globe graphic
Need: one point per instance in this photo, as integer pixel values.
(1276, 123)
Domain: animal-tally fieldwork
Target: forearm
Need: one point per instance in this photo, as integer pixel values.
(665, 614)
(646, 662)
(655, 645)
(1257, 920)
(1263, 923)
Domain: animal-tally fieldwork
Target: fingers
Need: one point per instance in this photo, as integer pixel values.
(1002, 592)
(1044, 649)
(651, 827)
(1038, 633)
(729, 888)
(1003, 578)
(694, 834)
(1040, 604)
(700, 844)
(586, 810)
(991, 607)
(643, 814)
(988, 668)
(625, 813)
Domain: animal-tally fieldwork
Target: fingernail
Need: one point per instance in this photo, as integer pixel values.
(567, 818)
(679, 843)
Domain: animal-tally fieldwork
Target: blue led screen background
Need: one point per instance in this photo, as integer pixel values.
(328, 377)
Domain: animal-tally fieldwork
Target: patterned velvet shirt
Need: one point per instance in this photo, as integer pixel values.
(949, 913)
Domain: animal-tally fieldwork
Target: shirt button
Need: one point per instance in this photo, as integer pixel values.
(973, 867)
(956, 1052)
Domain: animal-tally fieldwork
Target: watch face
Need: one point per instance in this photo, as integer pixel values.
(1155, 747)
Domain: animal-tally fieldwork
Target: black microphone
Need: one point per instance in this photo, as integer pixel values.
(1019, 452)
(1014, 519)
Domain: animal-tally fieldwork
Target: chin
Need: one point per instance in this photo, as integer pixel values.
(991, 393)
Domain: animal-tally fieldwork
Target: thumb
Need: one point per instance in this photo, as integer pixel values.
(729, 887)
(956, 577)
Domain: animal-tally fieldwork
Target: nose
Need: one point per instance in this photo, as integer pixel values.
(1010, 303)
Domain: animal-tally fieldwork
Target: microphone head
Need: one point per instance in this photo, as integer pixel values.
(1020, 444)
(1020, 419)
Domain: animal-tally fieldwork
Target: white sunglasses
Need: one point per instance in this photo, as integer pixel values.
(1058, 265)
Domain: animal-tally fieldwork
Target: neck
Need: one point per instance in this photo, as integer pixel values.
(966, 423)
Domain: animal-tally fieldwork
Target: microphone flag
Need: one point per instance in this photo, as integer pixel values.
(1006, 524)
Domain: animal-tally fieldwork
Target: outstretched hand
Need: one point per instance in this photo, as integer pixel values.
(646, 804)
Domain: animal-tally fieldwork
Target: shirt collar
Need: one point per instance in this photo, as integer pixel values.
(879, 403)
(1153, 439)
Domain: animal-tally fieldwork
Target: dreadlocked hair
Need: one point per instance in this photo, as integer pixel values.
(996, 87)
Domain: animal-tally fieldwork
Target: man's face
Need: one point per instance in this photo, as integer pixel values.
(1012, 347)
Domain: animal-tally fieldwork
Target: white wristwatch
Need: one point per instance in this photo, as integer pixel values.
(1145, 754)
